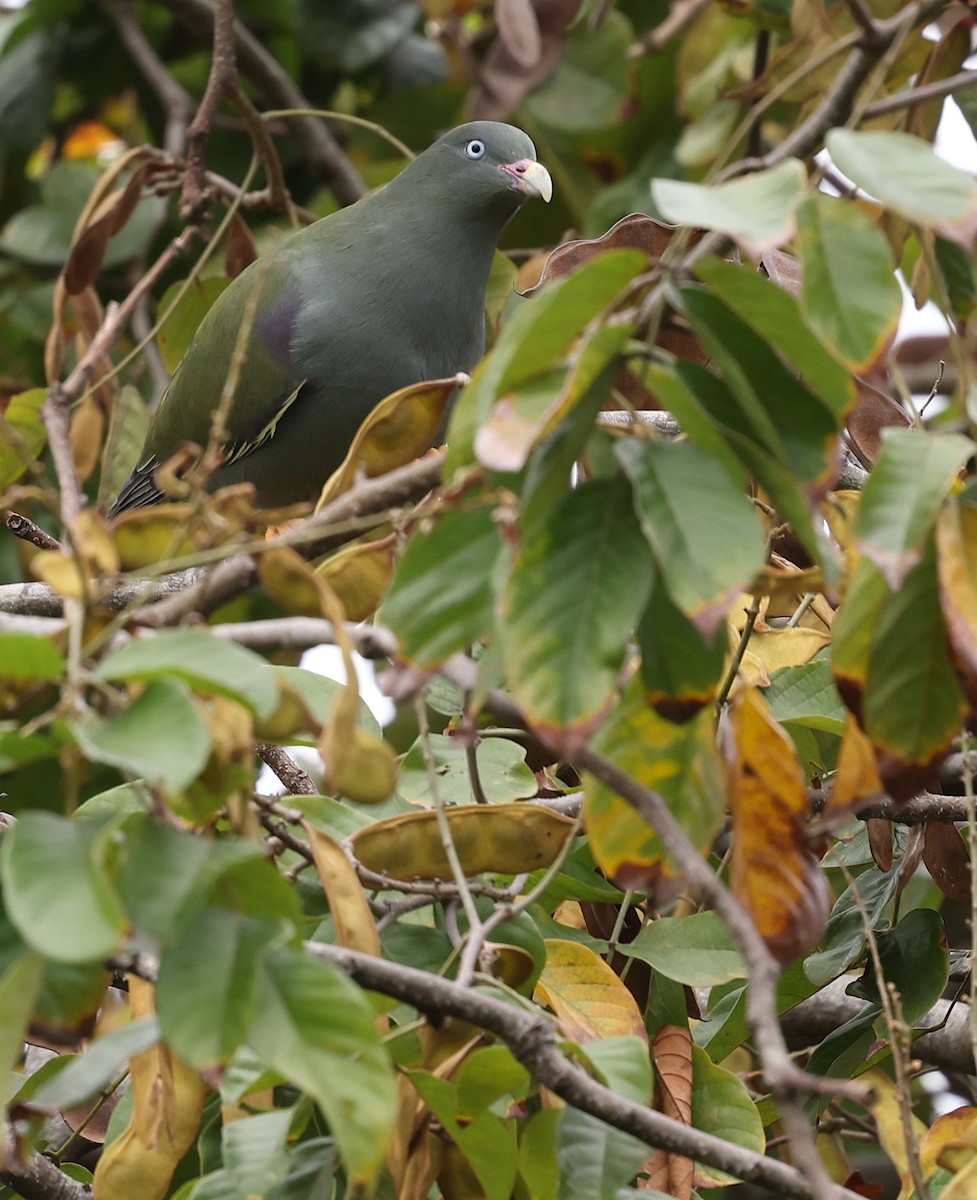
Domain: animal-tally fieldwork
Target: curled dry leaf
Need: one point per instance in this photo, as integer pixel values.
(88, 251)
(671, 1051)
(774, 875)
(348, 905)
(398, 430)
(168, 1099)
(519, 30)
(947, 859)
(503, 81)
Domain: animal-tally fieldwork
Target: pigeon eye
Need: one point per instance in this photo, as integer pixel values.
(475, 149)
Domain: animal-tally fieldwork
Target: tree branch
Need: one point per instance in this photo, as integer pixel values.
(532, 1039)
(316, 141)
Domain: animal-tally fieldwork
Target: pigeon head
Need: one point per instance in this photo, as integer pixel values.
(486, 167)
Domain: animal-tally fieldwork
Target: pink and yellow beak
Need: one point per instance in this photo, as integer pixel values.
(530, 177)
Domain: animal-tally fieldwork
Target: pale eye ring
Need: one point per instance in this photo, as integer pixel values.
(475, 149)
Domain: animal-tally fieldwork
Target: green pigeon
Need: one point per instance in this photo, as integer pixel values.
(381, 295)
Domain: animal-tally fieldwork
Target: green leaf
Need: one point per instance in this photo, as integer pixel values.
(902, 496)
(537, 1154)
(853, 631)
(104, 1061)
(904, 173)
(844, 937)
(20, 983)
(168, 874)
(128, 426)
(589, 88)
(680, 761)
(535, 340)
(316, 1028)
(502, 771)
(319, 693)
(76, 921)
(203, 660)
(703, 530)
(913, 705)
(623, 1064)
(758, 211)
(160, 737)
(176, 332)
(696, 950)
(914, 959)
(578, 585)
(22, 434)
(594, 1160)
(206, 988)
(776, 316)
(777, 410)
(26, 656)
(255, 1151)
(849, 293)
(440, 600)
(724, 1108)
(806, 695)
(680, 669)
(488, 1074)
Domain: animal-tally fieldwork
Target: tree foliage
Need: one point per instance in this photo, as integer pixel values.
(681, 626)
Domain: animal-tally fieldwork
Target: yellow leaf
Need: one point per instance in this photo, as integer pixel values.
(290, 582)
(504, 838)
(857, 778)
(774, 875)
(589, 1000)
(168, 1098)
(60, 571)
(398, 430)
(350, 910)
(886, 1109)
(359, 575)
(787, 647)
(956, 548)
(147, 536)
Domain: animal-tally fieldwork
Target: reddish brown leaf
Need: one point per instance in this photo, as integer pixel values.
(873, 412)
(633, 232)
(947, 859)
(672, 1055)
(109, 218)
(504, 82)
(880, 841)
(519, 30)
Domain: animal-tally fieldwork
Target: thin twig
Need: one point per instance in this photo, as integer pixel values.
(24, 528)
(297, 782)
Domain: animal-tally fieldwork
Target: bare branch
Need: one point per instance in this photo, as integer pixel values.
(532, 1040)
(296, 781)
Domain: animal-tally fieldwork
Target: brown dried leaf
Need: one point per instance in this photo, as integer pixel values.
(108, 219)
(947, 859)
(503, 82)
(880, 842)
(633, 232)
(774, 875)
(519, 30)
(873, 412)
(671, 1051)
